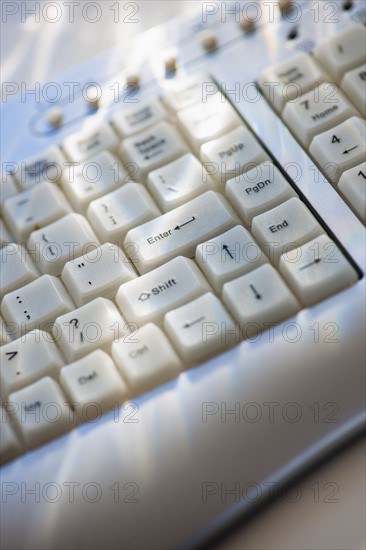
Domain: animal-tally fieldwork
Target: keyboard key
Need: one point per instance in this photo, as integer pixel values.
(92, 139)
(290, 79)
(285, 227)
(93, 385)
(99, 175)
(36, 305)
(343, 51)
(207, 120)
(178, 182)
(317, 111)
(28, 359)
(149, 297)
(257, 191)
(264, 300)
(113, 215)
(40, 412)
(49, 165)
(90, 327)
(8, 188)
(61, 241)
(228, 256)
(354, 85)
(146, 359)
(32, 209)
(352, 185)
(180, 93)
(340, 148)
(137, 118)
(231, 154)
(148, 150)
(201, 328)
(317, 270)
(179, 231)
(98, 273)
(17, 268)
(10, 446)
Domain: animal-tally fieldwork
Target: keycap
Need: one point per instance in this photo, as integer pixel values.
(4, 234)
(179, 231)
(4, 336)
(146, 359)
(113, 215)
(147, 298)
(285, 227)
(230, 155)
(354, 86)
(340, 148)
(317, 270)
(17, 268)
(40, 412)
(183, 92)
(98, 273)
(10, 446)
(317, 111)
(28, 359)
(34, 208)
(36, 305)
(93, 384)
(290, 79)
(92, 139)
(92, 326)
(100, 174)
(200, 328)
(264, 300)
(151, 148)
(207, 120)
(137, 118)
(8, 188)
(61, 241)
(228, 256)
(178, 182)
(352, 185)
(257, 191)
(343, 51)
(48, 165)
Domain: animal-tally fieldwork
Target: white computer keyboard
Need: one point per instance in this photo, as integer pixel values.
(149, 242)
(182, 276)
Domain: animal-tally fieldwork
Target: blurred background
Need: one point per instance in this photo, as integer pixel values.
(39, 43)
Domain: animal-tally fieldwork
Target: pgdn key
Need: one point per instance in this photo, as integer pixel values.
(178, 232)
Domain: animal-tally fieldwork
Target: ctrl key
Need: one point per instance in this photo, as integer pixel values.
(40, 412)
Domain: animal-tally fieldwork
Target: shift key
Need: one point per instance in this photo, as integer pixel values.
(179, 231)
(147, 298)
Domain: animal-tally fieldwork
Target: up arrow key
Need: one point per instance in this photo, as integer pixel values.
(11, 354)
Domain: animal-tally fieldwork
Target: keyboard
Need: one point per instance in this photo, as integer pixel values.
(193, 237)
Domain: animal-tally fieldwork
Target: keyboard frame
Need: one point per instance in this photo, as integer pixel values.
(170, 438)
